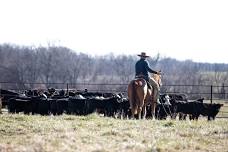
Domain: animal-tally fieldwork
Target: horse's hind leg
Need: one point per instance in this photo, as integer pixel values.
(153, 106)
(133, 113)
(140, 112)
(144, 112)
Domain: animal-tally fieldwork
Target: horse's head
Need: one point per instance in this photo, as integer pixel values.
(157, 78)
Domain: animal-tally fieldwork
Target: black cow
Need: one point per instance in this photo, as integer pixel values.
(40, 105)
(168, 106)
(112, 105)
(20, 104)
(178, 97)
(77, 106)
(96, 105)
(196, 108)
(108, 106)
(162, 111)
(57, 107)
(35, 104)
(44, 106)
(209, 110)
(62, 105)
(124, 108)
(53, 106)
(164, 108)
(6, 95)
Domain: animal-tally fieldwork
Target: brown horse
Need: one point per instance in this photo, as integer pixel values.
(140, 96)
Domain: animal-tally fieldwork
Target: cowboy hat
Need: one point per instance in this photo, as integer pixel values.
(143, 54)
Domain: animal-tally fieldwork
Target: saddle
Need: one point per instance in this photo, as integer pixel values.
(147, 82)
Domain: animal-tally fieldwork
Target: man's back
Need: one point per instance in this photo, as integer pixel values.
(140, 68)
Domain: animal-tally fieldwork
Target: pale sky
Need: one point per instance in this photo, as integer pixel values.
(182, 29)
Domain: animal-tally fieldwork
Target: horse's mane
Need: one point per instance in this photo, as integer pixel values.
(157, 78)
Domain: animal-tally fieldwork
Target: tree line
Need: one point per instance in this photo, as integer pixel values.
(30, 67)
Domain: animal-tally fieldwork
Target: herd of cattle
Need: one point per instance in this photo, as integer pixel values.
(109, 104)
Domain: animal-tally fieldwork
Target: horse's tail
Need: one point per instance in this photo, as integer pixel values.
(136, 85)
(134, 96)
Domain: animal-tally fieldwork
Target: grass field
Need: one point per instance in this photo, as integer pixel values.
(95, 133)
(223, 111)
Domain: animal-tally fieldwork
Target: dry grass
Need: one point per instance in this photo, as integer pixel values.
(98, 134)
(224, 110)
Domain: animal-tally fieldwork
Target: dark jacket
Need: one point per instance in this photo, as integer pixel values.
(142, 67)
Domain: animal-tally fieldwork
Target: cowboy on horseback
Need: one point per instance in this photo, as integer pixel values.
(142, 69)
